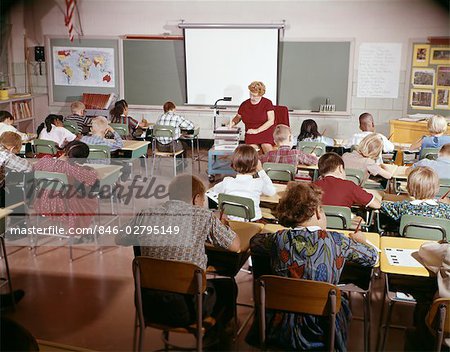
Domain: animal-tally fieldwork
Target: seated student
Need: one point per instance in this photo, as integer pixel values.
(423, 185)
(308, 251)
(170, 118)
(437, 126)
(52, 129)
(284, 152)
(365, 156)
(78, 108)
(99, 129)
(245, 162)
(6, 124)
(339, 191)
(441, 165)
(309, 133)
(80, 208)
(367, 126)
(185, 209)
(119, 114)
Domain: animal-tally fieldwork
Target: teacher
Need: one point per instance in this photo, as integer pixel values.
(258, 115)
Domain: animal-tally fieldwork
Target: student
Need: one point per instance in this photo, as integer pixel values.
(309, 133)
(170, 118)
(339, 191)
(365, 156)
(186, 210)
(78, 109)
(284, 152)
(437, 125)
(367, 126)
(308, 251)
(52, 129)
(423, 185)
(441, 165)
(246, 163)
(6, 124)
(80, 207)
(119, 114)
(99, 129)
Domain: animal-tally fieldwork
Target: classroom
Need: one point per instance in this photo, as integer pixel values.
(227, 175)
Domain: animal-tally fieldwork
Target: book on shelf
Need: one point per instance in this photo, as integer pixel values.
(98, 101)
(21, 110)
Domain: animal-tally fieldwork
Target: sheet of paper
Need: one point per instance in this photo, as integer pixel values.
(213, 196)
(402, 257)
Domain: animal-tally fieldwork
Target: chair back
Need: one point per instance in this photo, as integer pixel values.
(43, 146)
(444, 186)
(317, 148)
(164, 131)
(241, 207)
(50, 180)
(438, 320)
(280, 172)
(299, 296)
(355, 175)
(338, 217)
(281, 115)
(99, 152)
(120, 128)
(71, 126)
(429, 153)
(422, 227)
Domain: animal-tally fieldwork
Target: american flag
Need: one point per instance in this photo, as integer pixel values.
(70, 7)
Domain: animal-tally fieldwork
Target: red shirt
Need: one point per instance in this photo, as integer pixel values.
(254, 116)
(344, 193)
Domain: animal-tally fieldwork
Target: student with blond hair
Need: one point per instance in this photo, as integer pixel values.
(284, 152)
(78, 110)
(437, 126)
(100, 127)
(365, 157)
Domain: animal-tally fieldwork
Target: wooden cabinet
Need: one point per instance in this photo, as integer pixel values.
(23, 111)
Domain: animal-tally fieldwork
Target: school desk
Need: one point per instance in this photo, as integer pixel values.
(106, 174)
(280, 188)
(192, 136)
(132, 149)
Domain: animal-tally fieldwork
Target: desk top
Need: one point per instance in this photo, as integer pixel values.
(245, 231)
(307, 167)
(4, 212)
(400, 172)
(275, 199)
(104, 171)
(405, 243)
(133, 145)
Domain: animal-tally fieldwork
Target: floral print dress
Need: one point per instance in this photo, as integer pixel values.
(313, 254)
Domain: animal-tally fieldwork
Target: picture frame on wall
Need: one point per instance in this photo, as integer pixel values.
(421, 55)
(443, 76)
(442, 99)
(421, 99)
(440, 56)
(423, 77)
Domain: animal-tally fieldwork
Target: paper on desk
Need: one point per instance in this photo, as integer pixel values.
(212, 195)
(402, 257)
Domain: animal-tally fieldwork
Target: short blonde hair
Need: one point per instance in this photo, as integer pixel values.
(281, 133)
(423, 183)
(437, 124)
(99, 123)
(371, 146)
(257, 87)
(11, 139)
(77, 106)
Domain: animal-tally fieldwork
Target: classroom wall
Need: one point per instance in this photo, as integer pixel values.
(365, 21)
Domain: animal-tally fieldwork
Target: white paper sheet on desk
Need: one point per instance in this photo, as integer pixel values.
(213, 196)
(402, 257)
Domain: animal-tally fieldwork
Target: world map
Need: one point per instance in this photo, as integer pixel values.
(92, 67)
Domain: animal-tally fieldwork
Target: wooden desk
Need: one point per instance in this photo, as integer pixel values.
(132, 149)
(401, 242)
(106, 174)
(281, 188)
(245, 231)
(408, 131)
(4, 212)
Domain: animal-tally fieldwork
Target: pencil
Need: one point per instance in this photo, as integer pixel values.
(312, 151)
(323, 132)
(390, 136)
(357, 227)
(446, 194)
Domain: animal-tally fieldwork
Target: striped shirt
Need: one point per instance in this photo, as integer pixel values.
(82, 122)
(177, 121)
(13, 162)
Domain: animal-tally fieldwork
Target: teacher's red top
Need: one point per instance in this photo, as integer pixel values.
(254, 116)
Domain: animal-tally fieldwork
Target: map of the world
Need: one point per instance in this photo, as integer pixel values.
(92, 67)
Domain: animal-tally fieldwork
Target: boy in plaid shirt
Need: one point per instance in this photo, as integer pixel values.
(284, 153)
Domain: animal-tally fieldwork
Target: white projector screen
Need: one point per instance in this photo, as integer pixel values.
(222, 62)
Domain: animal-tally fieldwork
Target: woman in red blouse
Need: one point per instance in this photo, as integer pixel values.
(258, 115)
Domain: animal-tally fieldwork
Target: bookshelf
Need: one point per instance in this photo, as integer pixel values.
(22, 108)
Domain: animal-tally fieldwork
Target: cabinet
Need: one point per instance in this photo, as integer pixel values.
(23, 111)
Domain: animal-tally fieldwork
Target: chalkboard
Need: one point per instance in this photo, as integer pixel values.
(66, 93)
(310, 72)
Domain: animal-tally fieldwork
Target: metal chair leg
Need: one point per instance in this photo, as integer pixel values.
(366, 302)
(386, 327)
(8, 275)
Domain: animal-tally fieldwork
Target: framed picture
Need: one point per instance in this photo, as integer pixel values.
(423, 77)
(442, 101)
(421, 54)
(421, 99)
(440, 56)
(443, 76)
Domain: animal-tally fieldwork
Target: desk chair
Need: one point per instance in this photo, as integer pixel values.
(429, 153)
(340, 218)
(422, 227)
(174, 277)
(355, 175)
(280, 172)
(310, 147)
(444, 186)
(99, 152)
(120, 128)
(298, 296)
(168, 132)
(71, 126)
(43, 146)
(438, 320)
(241, 207)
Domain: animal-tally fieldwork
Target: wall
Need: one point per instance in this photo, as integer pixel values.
(365, 21)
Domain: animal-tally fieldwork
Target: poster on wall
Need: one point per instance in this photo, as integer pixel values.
(379, 70)
(421, 54)
(421, 99)
(440, 56)
(442, 101)
(423, 77)
(443, 76)
(91, 67)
